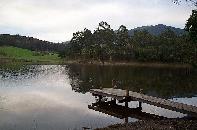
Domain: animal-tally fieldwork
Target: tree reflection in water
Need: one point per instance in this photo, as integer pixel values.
(160, 82)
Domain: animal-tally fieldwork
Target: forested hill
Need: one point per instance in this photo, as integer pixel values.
(157, 30)
(30, 43)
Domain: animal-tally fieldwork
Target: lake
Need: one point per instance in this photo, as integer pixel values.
(49, 97)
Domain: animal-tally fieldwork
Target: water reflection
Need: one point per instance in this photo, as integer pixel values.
(159, 82)
(166, 83)
(42, 97)
(122, 112)
(45, 100)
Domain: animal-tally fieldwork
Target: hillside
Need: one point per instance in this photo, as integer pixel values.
(24, 55)
(157, 29)
(30, 43)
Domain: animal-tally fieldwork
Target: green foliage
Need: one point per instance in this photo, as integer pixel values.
(103, 40)
(191, 26)
(123, 48)
(104, 44)
(27, 55)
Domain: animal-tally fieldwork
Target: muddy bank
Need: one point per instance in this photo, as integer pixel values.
(155, 125)
(132, 63)
(107, 63)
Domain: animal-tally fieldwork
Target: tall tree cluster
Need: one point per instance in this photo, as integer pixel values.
(106, 44)
(191, 26)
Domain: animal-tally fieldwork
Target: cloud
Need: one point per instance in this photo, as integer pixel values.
(56, 20)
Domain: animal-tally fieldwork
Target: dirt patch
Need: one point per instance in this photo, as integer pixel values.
(155, 125)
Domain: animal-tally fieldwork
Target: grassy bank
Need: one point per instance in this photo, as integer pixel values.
(14, 54)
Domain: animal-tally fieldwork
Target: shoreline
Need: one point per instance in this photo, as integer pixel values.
(5, 60)
(133, 63)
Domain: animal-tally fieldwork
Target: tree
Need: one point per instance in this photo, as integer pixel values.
(168, 34)
(76, 42)
(194, 2)
(104, 40)
(191, 26)
(123, 48)
(122, 37)
(81, 43)
(142, 37)
(105, 44)
(88, 44)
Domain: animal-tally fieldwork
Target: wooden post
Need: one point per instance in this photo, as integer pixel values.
(126, 97)
(126, 120)
(100, 98)
(140, 105)
(113, 101)
(126, 104)
(127, 93)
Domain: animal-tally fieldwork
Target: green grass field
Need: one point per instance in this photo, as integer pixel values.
(19, 54)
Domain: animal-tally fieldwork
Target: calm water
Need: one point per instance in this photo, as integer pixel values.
(48, 97)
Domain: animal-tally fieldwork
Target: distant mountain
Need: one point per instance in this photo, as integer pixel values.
(66, 42)
(157, 29)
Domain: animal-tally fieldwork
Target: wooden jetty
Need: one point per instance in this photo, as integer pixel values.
(122, 112)
(127, 96)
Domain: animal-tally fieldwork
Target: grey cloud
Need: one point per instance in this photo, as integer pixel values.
(56, 20)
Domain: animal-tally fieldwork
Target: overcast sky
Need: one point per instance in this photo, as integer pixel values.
(57, 20)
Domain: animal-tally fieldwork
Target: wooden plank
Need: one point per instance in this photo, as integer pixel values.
(121, 94)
